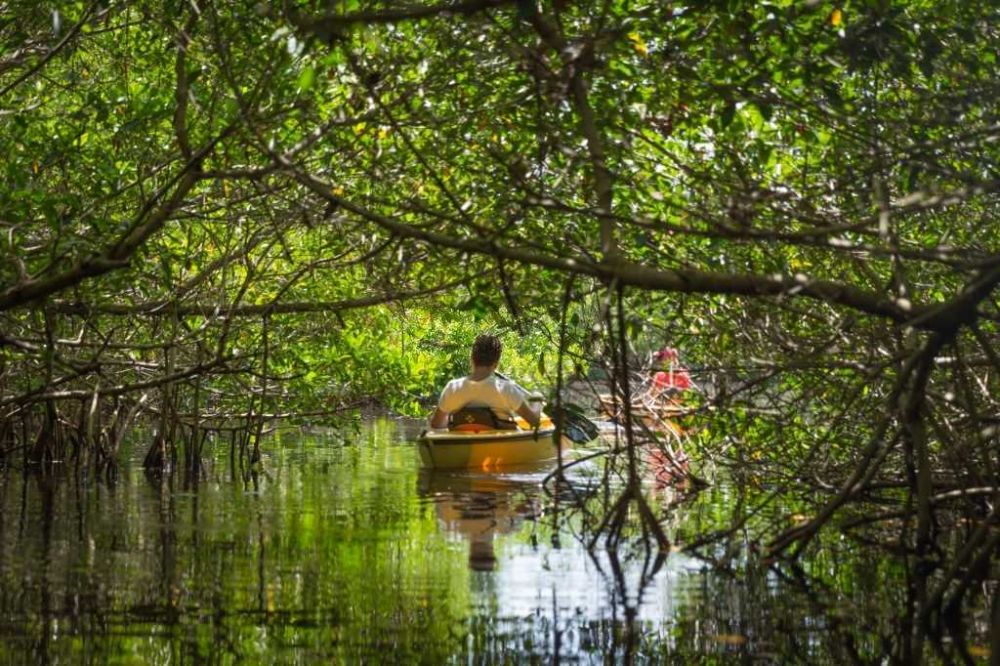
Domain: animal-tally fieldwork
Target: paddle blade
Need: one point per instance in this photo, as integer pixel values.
(573, 424)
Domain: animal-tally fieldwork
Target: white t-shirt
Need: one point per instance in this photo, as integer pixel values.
(502, 396)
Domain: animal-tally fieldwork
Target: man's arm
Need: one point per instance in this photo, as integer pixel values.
(440, 418)
(528, 414)
(444, 407)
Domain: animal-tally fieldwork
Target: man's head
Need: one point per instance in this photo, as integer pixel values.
(486, 350)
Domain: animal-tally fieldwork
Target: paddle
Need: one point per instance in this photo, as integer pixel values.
(574, 424)
(570, 419)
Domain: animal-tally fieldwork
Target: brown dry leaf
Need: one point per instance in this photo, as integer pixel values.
(730, 639)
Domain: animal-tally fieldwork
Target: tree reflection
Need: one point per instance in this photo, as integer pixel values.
(350, 554)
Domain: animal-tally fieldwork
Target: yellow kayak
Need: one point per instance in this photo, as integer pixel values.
(489, 449)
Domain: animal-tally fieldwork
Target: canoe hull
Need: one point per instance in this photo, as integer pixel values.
(486, 451)
(663, 416)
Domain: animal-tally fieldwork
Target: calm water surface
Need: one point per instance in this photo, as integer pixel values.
(349, 553)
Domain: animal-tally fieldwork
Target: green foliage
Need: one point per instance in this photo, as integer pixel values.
(454, 170)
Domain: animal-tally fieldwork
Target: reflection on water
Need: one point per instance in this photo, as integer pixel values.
(480, 506)
(351, 553)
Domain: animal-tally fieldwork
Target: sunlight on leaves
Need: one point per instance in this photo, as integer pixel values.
(638, 44)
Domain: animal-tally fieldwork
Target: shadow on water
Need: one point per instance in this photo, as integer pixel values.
(352, 553)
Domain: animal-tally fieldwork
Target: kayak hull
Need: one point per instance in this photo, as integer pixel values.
(488, 450)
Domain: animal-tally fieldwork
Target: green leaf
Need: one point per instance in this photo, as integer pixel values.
(307, 78)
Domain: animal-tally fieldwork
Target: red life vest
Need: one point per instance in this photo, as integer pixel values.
(674, 378)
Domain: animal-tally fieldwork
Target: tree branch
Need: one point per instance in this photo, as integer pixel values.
(51, 54)
(167, 307)
(631, 274)
(331, 24)
(118, 254)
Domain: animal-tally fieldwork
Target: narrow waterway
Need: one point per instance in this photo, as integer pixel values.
(346, 550)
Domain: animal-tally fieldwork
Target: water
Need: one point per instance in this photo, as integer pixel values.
(348, 552)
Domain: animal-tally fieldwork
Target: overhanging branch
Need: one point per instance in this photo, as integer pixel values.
(164, 308)
(331, 24)
(679, 280)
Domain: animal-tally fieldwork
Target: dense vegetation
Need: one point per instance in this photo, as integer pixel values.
(214, 213)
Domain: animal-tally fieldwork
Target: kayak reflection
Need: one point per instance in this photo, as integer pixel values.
(480, 506)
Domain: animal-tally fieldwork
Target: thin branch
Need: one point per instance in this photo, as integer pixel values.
(162, 308)
(332, 24)
(51, 54)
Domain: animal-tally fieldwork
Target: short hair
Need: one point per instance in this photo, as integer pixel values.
(486, 350)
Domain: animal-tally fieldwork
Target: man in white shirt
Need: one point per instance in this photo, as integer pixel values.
(482, 388)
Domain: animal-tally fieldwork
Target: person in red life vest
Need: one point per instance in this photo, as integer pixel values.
(668, 461)
(672, 377)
